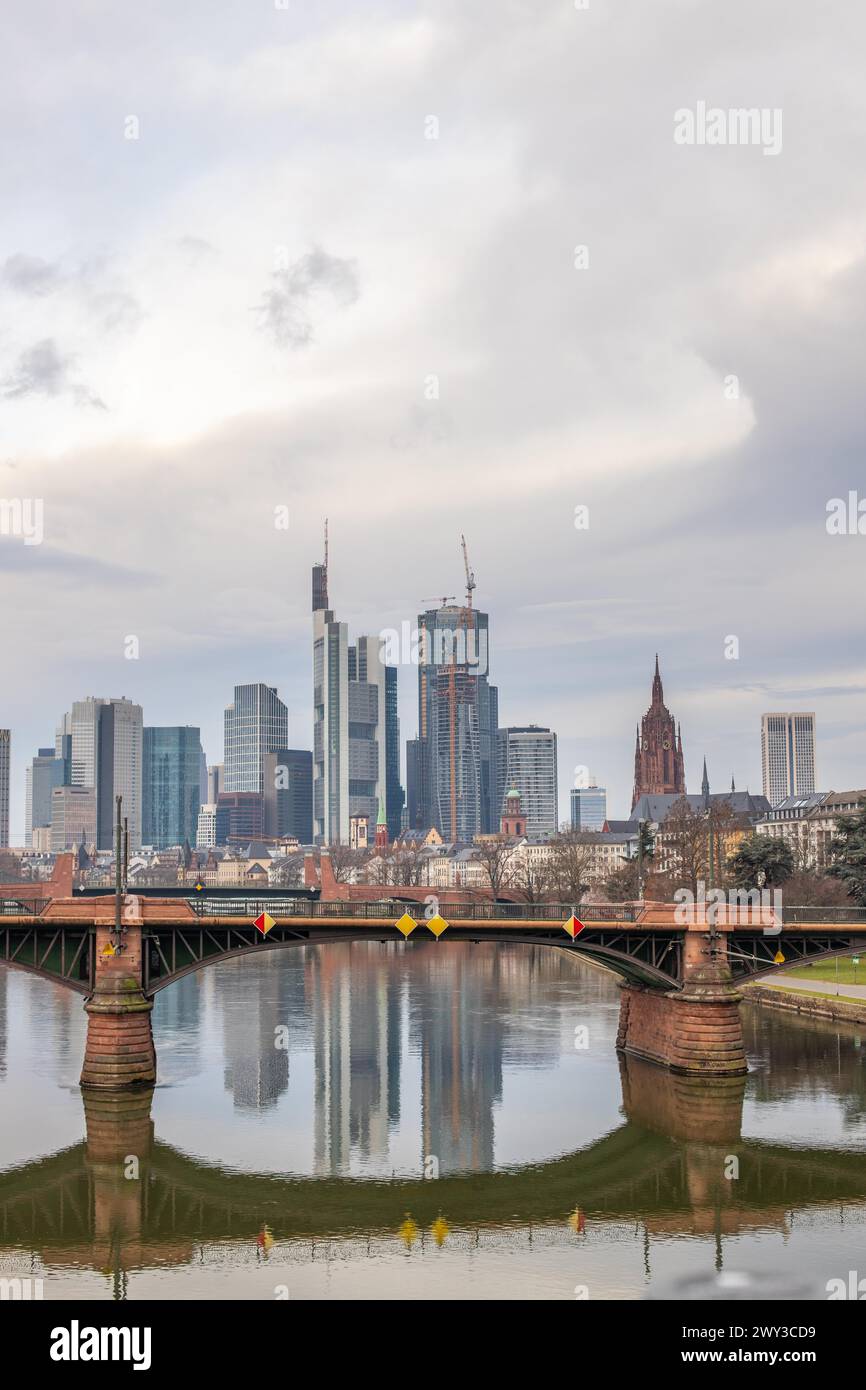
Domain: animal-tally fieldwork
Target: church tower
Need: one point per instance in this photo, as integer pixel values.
(658, 754)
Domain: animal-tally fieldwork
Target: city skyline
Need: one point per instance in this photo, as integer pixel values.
(384, 644)
(175, 370)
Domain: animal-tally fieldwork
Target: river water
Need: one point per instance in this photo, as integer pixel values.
(427, 1120)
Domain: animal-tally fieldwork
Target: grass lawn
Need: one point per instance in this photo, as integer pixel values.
(849, 973)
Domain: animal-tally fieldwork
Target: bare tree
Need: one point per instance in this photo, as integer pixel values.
(570, 862)
(531, 879)
(684, 835)
(496, 853)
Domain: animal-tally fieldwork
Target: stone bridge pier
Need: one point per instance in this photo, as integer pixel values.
(695, 1031)
(119, 1051)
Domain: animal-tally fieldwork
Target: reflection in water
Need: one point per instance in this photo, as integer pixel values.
(304, 1095)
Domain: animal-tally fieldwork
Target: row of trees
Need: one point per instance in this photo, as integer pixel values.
(695, 850)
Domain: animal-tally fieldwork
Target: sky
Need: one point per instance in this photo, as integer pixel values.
(432, 270)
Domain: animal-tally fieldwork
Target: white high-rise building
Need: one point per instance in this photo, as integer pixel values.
(5, 753)
(349, 720)
(787, 755)
(105, 740)
(526, 762)
(256, 723)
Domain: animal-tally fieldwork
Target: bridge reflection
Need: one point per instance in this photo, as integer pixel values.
(122, 1200)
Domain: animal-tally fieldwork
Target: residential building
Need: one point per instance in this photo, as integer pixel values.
(526, 761)
(809, 824)
(206, 827)
(256, 723)
(787, 755)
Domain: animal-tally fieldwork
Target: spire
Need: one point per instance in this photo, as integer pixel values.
(383, 819)
(658, 693)
(733, 788)
(705, 786)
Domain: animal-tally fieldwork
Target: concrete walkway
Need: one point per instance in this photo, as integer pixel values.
(857, 991)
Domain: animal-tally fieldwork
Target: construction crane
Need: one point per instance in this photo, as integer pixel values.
(443, 601)
(470, 574)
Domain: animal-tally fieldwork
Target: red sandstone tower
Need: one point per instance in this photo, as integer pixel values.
(658, 754)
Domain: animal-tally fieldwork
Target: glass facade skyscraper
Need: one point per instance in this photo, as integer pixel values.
(457, 723)
(171, 792)
(349, 723)
(43, 775)
(256, 723)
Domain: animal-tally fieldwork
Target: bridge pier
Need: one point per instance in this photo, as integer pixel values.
(119, 1051)
(695, 1031)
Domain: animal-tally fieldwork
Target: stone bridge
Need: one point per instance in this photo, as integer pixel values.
(680, 967)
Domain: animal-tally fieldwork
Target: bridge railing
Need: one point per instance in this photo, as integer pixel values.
(391, 910)
(13, 907)
(824, 916)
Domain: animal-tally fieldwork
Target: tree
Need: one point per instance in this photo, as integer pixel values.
(570, 861)
(685, 835)
(849, 850)
(622, 885)
(808, 888)
(496, 853)
(531, 879)
(761, 854)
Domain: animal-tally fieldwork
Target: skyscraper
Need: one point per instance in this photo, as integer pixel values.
(256, 723)
(413, 783)
(457, 722)
(5, 751)
(394, 791)
(105, 742)
(43, 775)
(658, 754)
(588, 808)
(171, 793)
(526, 762)
(288, 795)
(787, 755)
(349, 722)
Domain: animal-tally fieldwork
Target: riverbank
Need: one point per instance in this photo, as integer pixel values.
(814, 1004)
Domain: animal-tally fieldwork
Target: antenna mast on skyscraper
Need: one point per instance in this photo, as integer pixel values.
(326, 547)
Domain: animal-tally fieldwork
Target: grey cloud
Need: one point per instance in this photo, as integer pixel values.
(43, 370)
(285, 310)
(31, 275)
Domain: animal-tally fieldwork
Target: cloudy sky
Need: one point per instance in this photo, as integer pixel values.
(243, 247)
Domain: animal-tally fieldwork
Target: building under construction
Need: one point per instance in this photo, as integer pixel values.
(457, 719)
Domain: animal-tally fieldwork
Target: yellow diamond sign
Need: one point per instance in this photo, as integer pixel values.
(437, 925)
(778, 958)
(109, 949)
(406, 924)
